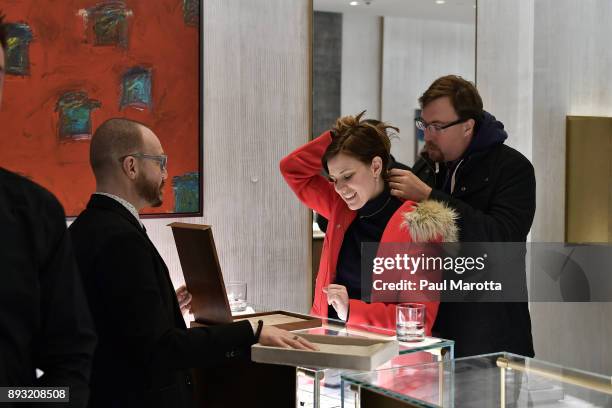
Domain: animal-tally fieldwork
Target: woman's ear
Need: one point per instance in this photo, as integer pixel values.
(376, 166)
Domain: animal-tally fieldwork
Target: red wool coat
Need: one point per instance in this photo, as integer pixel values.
(302, 172)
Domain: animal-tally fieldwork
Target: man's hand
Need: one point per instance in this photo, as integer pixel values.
(184, 299)
(404, 184)
(275, 337)
(337, 296)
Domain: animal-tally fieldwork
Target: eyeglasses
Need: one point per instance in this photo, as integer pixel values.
(162, 159)
(434, 127)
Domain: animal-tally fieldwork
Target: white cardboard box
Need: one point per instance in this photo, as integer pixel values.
(344, 352)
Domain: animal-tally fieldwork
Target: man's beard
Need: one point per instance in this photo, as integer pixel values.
(150, 191)
(432, 151)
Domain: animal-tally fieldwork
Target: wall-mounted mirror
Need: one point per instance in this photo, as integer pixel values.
(380, 55)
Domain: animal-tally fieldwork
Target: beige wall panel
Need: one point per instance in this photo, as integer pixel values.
(504, 66)
(571, 76)
(361, 62)
(256, 110)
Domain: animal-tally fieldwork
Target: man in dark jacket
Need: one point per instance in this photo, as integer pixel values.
(44, 320)
(466, 164)
(145, 350)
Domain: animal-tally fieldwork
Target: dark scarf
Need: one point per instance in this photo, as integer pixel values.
(368, 226)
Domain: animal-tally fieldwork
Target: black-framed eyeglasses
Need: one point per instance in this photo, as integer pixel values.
(434, 127)
(162, 159)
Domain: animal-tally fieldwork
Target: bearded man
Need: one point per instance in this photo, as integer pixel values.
(466, 165)
(145, 351)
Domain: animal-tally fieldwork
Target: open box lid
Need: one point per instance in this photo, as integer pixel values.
(198, 256)
(204, 280)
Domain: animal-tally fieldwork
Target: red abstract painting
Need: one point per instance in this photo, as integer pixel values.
(72, 64)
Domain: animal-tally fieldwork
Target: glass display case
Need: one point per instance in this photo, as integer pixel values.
(491, 380)
(318, 387)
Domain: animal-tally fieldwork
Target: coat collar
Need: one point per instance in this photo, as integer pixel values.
(123, 202)
(98, 201)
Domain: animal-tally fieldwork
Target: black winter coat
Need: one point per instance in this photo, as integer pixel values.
(494, 194)
(145, 351)
(44, 319)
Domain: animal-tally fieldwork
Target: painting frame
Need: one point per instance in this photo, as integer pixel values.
(55, 155)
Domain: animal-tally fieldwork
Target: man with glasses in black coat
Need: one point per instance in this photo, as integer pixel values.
(466, 165)
(145, 351)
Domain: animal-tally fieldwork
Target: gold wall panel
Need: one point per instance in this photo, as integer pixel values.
(588, 198)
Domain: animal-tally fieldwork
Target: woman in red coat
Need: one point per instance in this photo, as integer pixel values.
(357, 201)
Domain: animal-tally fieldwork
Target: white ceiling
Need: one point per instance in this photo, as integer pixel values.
(452, 10)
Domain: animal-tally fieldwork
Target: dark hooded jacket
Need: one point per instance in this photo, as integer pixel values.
(493, 191)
